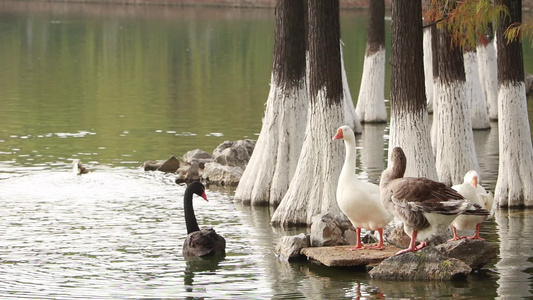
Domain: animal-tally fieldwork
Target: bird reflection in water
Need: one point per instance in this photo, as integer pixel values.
(197, 265)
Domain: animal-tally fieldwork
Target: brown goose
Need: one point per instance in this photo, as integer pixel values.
(199, 242)
(426, 207)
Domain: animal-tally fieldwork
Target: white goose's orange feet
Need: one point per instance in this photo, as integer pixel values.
(378, 247)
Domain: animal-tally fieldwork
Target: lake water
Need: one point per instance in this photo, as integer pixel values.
(115, 86)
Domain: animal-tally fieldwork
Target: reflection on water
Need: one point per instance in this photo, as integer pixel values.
(116, 87)
(515, 264)
(198, 266)
(372, 152)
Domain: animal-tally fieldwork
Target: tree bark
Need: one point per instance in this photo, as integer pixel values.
(478, 105)
(488, 72)
(312, 188)
(428, 67)
(370, 106)
(455, 149)
(514, 187)
(409, 126)
(273, 162)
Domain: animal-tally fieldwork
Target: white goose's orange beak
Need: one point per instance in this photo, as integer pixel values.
(339, 135)
(474, 181)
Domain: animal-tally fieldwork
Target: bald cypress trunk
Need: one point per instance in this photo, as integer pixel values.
(488, 72)
(409, 126)
(312, 189)
(428, 67)
(478, 105)
(370, 106)
(514, 187)
(273, 162)
(436, 86)
(455, 150)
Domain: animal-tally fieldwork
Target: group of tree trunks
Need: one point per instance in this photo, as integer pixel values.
(295, 165)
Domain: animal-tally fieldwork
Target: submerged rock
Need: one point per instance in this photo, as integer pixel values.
(475, 253)
(425, 264)
(170, 165)
(151, 165)
(289, 247)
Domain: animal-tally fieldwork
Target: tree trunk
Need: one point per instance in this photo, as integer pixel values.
(350, 117)
(436, 86)
(409, 125)
(273, 162)
(478, 105)
(488, 73)
(514, 187)
(370, 106)
(455, 150)
(312, 189)
(428, 68)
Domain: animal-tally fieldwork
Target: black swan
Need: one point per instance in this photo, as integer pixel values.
(426, 207)
(199, 242)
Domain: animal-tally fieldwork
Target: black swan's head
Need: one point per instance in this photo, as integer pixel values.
(197, 188)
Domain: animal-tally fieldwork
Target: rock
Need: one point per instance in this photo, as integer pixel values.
(151, 165)
(223, 175)
(425, 264)
(289, 247)
(394, 234)
(369, 238)
(188, 174)
(350, 236)
(343, 256)
(171, 165)
(234, 154)
(475, 253)
(325, 231)
(197, 155)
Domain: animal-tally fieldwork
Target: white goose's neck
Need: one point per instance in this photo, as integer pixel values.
(349, 161)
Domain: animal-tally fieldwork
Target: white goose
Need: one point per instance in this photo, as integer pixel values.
(475, 193)
(359, 200)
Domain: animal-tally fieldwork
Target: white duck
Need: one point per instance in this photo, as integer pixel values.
(426, 207)
(359, 200)
(475, 193)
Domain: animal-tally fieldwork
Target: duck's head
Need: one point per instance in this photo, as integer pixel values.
(472, 177)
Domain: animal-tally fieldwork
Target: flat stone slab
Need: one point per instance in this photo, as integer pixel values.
(342, 256)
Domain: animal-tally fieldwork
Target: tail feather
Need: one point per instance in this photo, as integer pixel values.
(475, 209)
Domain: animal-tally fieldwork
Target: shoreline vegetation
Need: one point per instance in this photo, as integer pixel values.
(527, 5)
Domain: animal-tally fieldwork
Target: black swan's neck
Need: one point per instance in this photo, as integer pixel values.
(190, 218)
